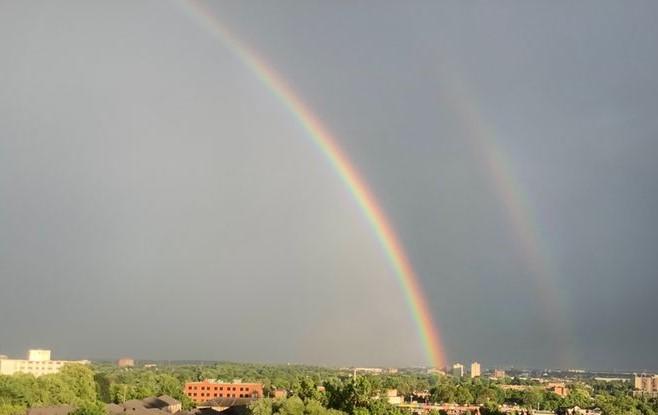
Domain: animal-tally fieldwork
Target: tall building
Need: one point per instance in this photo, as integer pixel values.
(210, 389)
(38, 363)
(475, 370)
(645, 384)
(458, 370)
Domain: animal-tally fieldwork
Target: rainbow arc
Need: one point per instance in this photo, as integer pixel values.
(328, 145)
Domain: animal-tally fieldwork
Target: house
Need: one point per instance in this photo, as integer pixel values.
(152, 405)
(580, 411)
(164, 402)
(161, 405)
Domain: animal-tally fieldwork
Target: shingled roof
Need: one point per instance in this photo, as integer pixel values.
(228, 402)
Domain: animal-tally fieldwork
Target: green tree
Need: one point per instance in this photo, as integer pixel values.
(291, 406)
(80, 379)
(314, 407)
(531, 399)
(102, 387)
(463, 396)
(444, 392)
(381, 407)
(357, 394)
(90, 408)
(54, 390)
(261, 407)
(11, 409)
(307, 389)
(578, 396)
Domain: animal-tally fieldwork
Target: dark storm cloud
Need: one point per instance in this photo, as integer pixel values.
(150, 184)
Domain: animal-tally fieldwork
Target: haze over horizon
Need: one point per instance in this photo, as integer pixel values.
(158, 201)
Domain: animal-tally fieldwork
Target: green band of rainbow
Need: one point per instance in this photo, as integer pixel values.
(407, 279)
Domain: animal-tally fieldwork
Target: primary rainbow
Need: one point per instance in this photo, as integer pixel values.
(322, 137)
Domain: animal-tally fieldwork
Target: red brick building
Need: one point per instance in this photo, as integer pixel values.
(558, 388)
(210, 389)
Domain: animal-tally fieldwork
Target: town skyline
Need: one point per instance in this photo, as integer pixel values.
(467, 364)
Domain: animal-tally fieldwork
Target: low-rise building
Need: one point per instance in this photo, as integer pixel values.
(420, 396)
(163, 404)
(211, 389)
(499, 373)
(392, 397)
(580, 411)
(516, 387)
(38, 363)
(370, 370)
(126, 362)
(559, 389)
(610, 379)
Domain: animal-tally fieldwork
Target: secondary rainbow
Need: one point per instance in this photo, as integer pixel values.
(504, 181)
(322, 137)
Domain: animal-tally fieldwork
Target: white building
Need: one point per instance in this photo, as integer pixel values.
(475, 370)
(38, 363)
(390, 395)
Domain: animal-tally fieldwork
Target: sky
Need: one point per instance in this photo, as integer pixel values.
(159, 201)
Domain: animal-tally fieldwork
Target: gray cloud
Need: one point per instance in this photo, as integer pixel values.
(153, 191)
